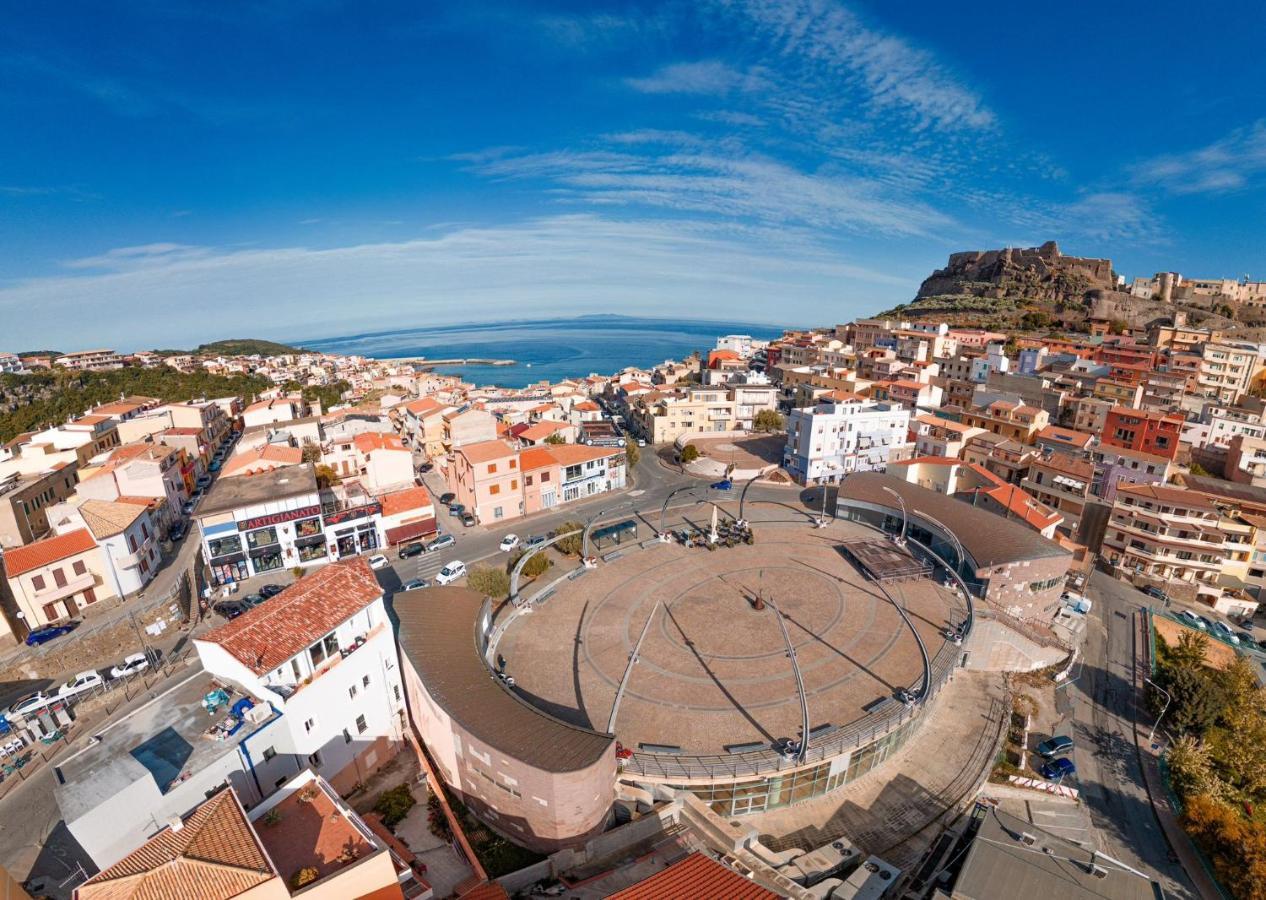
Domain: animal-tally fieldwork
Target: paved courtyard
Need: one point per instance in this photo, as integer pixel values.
(713, 671)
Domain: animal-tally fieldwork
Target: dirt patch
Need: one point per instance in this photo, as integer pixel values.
(1218, 654)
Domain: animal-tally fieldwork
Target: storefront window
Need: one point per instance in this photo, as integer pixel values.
(307, 527)
(313, 549)
(262, 538)
(225, 546)
(266, 560)
(225, 572)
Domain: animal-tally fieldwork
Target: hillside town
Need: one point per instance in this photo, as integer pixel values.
(232, 622)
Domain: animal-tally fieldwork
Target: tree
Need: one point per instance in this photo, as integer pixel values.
(1197, 701)
(535, 567)
(1118, 326)
(1197, 469)
(1190, 651)
(311, 452)
(489, 581)
(555, 439)
(572, 545)
(689, 453)
(631, 451)
(1236, 845)
(326, 476)
(1191, 769)
(768, 421)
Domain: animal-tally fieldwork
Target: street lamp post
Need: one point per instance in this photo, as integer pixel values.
(1164, 709)
(905, 519)
(958, 564)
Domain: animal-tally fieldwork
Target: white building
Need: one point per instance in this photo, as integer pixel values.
(11, 365)
(127, 533)
(257, 523)
(323, 653)
(742, 344)
(844, 434)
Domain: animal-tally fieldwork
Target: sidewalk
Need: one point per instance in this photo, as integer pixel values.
(1149, 762)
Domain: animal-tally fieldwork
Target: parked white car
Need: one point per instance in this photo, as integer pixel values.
(509, 542)
(137, 662)
(451, 572)
(31, 703)
(378, 562)
(84, 681)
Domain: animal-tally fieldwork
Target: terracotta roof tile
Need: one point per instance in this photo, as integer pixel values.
(19, 560)
(402, 501)
(213, 856)
(268, 635)
(696, 876)
(369, 441)
(107, 518)
(486, 451)
(275, 455)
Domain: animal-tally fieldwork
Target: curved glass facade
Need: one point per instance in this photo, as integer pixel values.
(737, 798)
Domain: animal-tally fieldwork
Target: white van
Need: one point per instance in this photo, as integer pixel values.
(451, 572)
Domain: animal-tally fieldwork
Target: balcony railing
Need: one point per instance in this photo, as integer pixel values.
(53, 591)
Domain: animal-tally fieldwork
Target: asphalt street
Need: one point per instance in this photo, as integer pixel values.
(1099, 705)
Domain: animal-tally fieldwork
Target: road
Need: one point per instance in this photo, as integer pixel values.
(34, 842)
(1099, 704)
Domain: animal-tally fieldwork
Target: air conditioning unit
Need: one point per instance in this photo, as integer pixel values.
(1027, 839)
(1098, 871)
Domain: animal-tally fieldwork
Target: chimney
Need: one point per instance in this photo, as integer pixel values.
(175, 823)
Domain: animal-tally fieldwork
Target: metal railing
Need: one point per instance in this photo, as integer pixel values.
(885, 718)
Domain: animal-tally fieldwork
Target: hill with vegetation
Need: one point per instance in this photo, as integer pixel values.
(245, 347)
(41, 399)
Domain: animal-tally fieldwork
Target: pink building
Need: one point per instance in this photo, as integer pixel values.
(485, 477)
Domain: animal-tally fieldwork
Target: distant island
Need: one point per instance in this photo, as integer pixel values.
(244, 347)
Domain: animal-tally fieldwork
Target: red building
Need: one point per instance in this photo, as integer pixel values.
(1143, 430)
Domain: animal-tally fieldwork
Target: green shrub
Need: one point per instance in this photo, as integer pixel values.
(489, 581)
(394, 805)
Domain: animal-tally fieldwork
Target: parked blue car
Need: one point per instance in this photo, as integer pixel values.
(722, 485)
(1058, 769)
(46, 634)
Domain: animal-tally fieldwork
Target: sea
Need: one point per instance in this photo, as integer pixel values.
(545, 349)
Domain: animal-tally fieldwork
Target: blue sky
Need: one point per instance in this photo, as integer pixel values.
(173, 172)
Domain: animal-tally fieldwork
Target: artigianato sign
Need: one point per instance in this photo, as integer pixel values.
(278, 518)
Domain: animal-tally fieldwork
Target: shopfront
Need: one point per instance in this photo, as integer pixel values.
(253, 546)
(352, 532)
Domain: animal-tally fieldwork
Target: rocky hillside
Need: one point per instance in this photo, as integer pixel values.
(1035, 289)
(1035, 274)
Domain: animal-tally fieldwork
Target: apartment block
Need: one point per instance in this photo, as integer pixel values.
(1015, 421)
(1166, 533)
(1143, 430)
(25, 499)
(845, 434)
(1062, 482)
(1227, 370)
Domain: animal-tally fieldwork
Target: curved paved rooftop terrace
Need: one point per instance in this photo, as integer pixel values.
(713, 672)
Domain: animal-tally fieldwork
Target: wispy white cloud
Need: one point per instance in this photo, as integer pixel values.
(125, 258)
(551, 266)
(693, 177)
(827, 41)
(704, 77)
(1227, 164)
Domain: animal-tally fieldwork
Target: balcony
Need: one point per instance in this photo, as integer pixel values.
(52, 591)
(132, 560)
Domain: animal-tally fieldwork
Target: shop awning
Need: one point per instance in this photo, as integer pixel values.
(417, 529)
